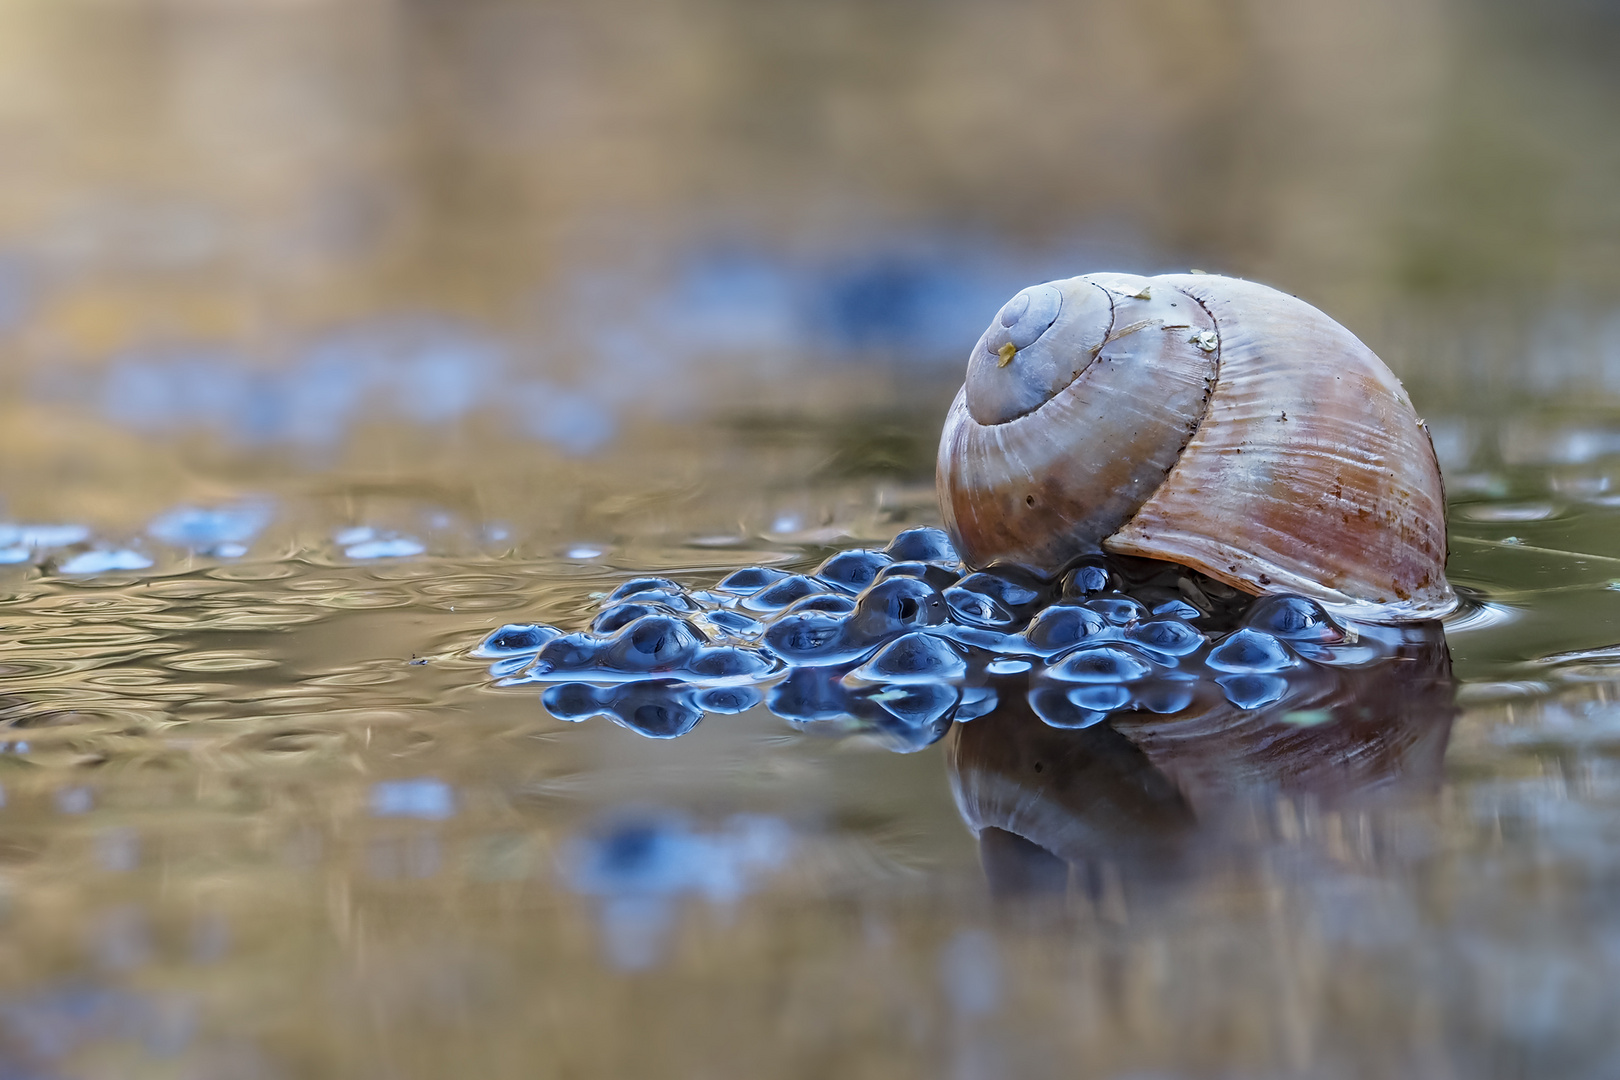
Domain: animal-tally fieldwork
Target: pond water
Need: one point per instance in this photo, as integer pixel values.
(336, 336)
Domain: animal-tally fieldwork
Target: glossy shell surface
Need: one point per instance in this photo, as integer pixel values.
(1203, 420)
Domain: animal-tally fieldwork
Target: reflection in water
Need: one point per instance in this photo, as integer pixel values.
(638, 868)
(1147, 795)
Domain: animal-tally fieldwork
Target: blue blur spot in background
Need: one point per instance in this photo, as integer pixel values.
(218, 530)
(422, 797)
(640, 866)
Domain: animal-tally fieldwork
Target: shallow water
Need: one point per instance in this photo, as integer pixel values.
(267, 815)
(334, 336)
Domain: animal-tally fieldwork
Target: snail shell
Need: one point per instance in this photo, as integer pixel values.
(1201, 420)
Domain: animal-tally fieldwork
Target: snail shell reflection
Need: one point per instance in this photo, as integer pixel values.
(1202, 420)
(1143, 791)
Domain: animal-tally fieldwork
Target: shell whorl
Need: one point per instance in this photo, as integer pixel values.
(1203, 420)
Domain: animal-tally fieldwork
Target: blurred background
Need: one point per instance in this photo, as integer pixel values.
(270, 223)
(336, 333)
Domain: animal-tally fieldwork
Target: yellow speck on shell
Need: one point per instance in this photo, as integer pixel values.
(1006, 352)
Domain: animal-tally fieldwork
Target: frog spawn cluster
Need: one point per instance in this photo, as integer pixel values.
(899, 643)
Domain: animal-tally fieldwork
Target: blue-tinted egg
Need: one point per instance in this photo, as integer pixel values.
(653, 709)
(1293, 618)
(851, 571)
(728, 662)
(570, 652)
(1099, 664)
(1084, 581)
(1252, 690)
(810, 637)
(651, 643)
(893, 606)
(728, 699)
(940, 577)
(780, 594)
(515, 639)
(810, 695)
(922, 545)
(621, 615)
(643, 585)
(1101, 697)
(735, 623)
(1055, 709)
(1249, 650)
(1165, 637)
(750, 579)
(913, 657)
(571, 701)
(1063, 626)
(831, 602)
(1118, 610)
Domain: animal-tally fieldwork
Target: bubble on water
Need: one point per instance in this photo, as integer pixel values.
(584, 552)
(780, 594)
(101, 562)
(516, 638)
(1253, 691)
(1099, 664)
(914, 657)
(1249, 650)
(1008, 666)
(922, 545)
(853, 570)
(1063, 626)
(1165, 637)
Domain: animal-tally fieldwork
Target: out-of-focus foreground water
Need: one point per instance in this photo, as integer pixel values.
(335, 334)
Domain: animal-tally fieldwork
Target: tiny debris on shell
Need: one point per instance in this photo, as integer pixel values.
(1006, 352)
(1209, 341)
